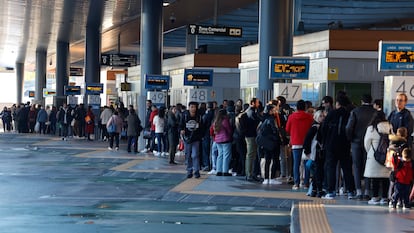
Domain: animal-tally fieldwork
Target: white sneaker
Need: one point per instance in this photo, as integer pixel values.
(144, 150)
(383, 201)
(374, 201)
(163, 154)
(116, 148)
(166, 153)
(274, 181)
(157, 154)
(109, 148)
(265, 181)
(212, 172)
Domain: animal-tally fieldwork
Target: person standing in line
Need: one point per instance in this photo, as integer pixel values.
(133, 130)
(64, 119)
(269, 158)
(356, 127)
(378, 103)
(173, 134)
(191, 128)
(377, 173)
(117, 120)
(337, 147)
(147, 125)
(42, 118)
(403, 169)
(249, 120)
(401, 117)
(207, 119)
(297, 126)
(154, 112)
(223, 138)
(160, 122)
(90, 123)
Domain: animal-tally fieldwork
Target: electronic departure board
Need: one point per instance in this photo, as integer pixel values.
(396, 56)
(157, 82)
(289, 67)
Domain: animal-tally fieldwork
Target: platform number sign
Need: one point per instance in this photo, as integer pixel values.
(197, 95)
(291, 91)
(403, 86)
(157, 97)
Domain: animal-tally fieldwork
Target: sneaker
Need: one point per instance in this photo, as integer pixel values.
(341, 191)
(374, 201)
(274, 181)
(144, 150)
(109, 148)
(265, 181)
(329, 196)
(116, 148)
(212, 172)
(157, 154)
(197, 175)
(163, 154)
(295, 187)
(383, 201)
(406, 207)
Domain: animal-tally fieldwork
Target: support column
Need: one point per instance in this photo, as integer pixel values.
(93, 44)
(150, 48)
(19, 82)
(62, 72)
(275, 39)
(40, 81)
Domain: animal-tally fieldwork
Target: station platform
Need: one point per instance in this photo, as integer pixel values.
(168, 183)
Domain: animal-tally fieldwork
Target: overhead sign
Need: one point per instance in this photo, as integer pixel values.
(94, 88)
(198, 77)
(48, 92)
(194, 29)
(123, 60)
(76, 71)
(396, 56)
(291, 91)
(157, 82)
(72, 90)
(197, 95)
(125, 86)
(289, 67)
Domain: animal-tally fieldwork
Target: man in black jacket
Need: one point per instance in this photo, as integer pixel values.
(356, 127)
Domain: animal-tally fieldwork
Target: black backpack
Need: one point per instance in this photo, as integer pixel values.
(380, 154)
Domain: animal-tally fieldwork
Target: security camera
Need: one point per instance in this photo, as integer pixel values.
(172, 19)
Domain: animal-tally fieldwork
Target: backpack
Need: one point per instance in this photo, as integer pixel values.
(380, 154)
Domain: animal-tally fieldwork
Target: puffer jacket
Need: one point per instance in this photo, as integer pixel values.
(371, 140)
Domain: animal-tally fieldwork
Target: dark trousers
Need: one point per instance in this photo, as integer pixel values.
(345, 161)
(112, 137)
(133, 142)
(401, 192)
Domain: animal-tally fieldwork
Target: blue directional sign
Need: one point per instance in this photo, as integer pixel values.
(72, 90)
(198, 77)
(289, 67)
(396, 56)
(157, 82)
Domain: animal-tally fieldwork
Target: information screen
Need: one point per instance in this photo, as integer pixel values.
(289, 67)
(396, 56)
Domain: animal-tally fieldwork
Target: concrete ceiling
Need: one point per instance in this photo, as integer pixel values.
(30, 25)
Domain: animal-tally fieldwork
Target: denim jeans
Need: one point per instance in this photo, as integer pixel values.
(161, 142)
(214, 155)
(224, 157)
(192, 157)
(297, 159)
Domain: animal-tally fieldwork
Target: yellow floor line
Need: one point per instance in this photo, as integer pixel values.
(312, 217)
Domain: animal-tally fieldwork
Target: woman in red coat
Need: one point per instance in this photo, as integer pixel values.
(90, 123)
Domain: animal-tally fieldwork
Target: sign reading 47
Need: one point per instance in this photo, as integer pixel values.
(291, 91)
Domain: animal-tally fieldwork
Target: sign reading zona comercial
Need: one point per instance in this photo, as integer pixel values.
(194, 29)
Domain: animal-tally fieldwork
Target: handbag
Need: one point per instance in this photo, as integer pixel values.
(37, 127)
(147, 134)
(112, 127)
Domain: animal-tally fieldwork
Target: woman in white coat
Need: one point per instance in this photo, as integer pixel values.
(377, 173)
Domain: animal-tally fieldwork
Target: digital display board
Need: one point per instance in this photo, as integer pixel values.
(94, 89)
(119, 60)
(157, 82)
(198, 77)
(289, 67)
(396, 56)
(72, 90)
